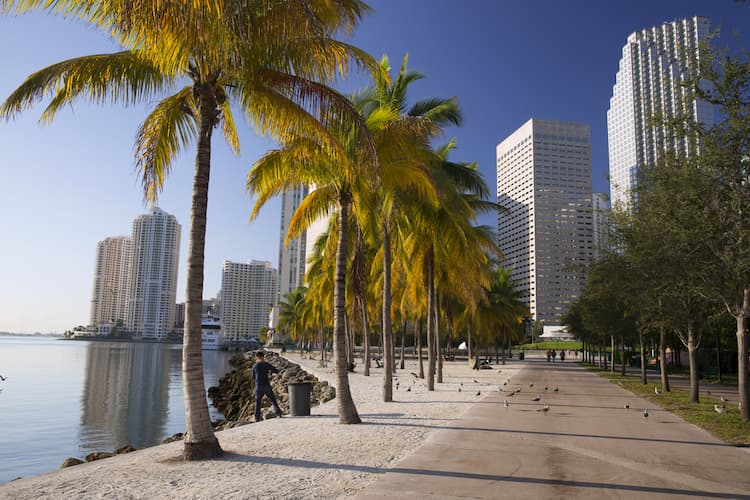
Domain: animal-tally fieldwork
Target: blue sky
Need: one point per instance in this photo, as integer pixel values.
(66, 185)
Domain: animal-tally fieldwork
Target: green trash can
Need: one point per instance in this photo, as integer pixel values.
(299, 399)
(521, 355)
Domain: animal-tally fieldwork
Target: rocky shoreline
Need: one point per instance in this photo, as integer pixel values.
(234, 397)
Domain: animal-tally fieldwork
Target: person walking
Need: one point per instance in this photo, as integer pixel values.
(549, 355)
(554, 355)
(261, 369)
(562, 356)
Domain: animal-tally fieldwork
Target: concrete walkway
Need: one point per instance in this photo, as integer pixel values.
(586, 446)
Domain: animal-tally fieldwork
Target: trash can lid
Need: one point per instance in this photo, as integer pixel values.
(300, 383)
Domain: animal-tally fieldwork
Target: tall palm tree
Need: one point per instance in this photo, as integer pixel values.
(424, 120)
(267, 57)
(290, 313)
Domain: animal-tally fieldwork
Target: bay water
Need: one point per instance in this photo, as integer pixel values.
(68, 398)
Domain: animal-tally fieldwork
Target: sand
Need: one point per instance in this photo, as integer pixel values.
(292, 457)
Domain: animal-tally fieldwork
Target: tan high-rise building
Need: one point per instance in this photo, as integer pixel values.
(248, 291)
(109, 300)
(153, 281)
(292, 258)
(545, 234)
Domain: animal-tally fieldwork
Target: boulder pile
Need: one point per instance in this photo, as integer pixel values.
(235, 395)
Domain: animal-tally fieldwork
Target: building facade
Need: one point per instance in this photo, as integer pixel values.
(654, 63)
(153, 282)
(109, 299)
(248, 291)
(291, 257)
(545, 233)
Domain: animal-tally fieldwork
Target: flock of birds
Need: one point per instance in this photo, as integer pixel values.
(537, 399)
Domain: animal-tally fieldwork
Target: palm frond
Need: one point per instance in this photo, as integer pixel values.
(118, 77)
(164, 133)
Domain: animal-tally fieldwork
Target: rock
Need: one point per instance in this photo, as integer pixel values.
(174, 437)
(98, 455)
(125, 449)
(70, 462)
(235, 398)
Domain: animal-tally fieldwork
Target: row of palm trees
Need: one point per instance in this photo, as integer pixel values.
(404, 227)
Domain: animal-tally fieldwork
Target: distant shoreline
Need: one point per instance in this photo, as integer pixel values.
(127, 340)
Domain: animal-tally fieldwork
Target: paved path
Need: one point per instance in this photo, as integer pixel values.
(586, 446)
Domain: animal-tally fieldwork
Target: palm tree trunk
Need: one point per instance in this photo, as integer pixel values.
(430, 324)
(418, 342)
(200, 442)
(642, 338)
(468, 345)
(438, 347)
(388, 365)
(663, 360)
(403, 346)
(622, 351)
(365, 336)
(742, 373)
(612, 347)
(347, 411)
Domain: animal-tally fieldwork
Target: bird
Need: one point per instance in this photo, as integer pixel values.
(397, 385)
(500, 371)
(505, 383)
(531, 384)
(479, 393)
(512, 394)
(557, 389)
(720, 397)
(3, 378)
(645, 412)
(544, 408)
(459, 389)
(545, 387)
(475, 381)
(499, 389)
(656, 390)
(414, 375)
(505, 403)
(537, 398)
(461, 384)
(626, 406)
(719, 409)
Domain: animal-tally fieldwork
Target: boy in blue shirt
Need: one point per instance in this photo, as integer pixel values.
(261, 369)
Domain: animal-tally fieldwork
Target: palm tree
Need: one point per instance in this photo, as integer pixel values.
(267, 57)
(290, 312)
(421, 122)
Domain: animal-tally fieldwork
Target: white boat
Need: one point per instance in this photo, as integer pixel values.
(212, 338)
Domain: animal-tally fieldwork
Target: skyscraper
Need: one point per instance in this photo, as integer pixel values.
(109, 299)
(248, 292)
(292, 257)
(654, 63)
(544, 183)
(153, 282)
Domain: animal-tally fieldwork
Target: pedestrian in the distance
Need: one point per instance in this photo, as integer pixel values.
(562, 356)
(549, 355)
(261, 369)
(554, 355)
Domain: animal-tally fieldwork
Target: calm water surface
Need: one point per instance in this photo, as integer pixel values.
(69, 398)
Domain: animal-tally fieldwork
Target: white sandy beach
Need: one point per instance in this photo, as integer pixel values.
(293, 457)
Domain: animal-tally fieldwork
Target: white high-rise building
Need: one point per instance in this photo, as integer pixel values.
(545, 234)
(601, 224)
(248, 291)
(292, 257)
(109, 300)
(153, 282)
(654, 63)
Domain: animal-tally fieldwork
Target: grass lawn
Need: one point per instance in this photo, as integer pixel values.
(728, 427)
(556, 345)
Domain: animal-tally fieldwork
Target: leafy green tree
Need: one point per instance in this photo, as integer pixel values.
(219, 52)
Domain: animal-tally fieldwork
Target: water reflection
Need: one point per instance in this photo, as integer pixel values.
(125, 395)
(132, 393)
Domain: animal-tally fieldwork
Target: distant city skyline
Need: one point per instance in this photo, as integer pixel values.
(68, 184)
